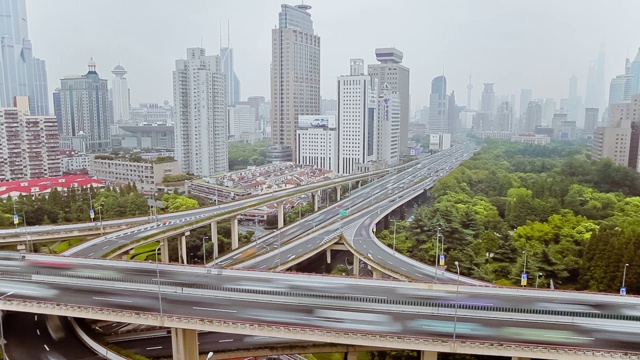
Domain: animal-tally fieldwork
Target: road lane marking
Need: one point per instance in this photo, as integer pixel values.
(210, 309)
(263, 266)
(571, 337)
(108, 299)
(46, 347)
(36, 317)
(237, 256)
(90, 255)
(403, 269)
(10, 293)
(291, 257)
(419, 275)
(10, 267)
(38, 331)
(225, 340)
(154, 348)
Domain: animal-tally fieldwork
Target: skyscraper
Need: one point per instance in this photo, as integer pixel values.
(503, 120)
(533, 116)
(595, 96)
(469, 88)
(438, 106)
(573, 104)
(200, 101)
(453, 114)
(590, 119)
(22, 74)
(295, 78)
(634, 70)
(233, 82)
(526, 95)
(488, 99)
(391, 71)
(84, 101)
(120, 96)
(356, 119)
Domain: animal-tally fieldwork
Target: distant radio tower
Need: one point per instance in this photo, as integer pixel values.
(469, 88)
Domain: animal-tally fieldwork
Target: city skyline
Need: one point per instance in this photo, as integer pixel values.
(428, 43)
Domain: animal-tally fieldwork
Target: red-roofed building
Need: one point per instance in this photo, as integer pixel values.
(44, 185)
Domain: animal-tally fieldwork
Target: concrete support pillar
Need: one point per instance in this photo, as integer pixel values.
(428, 355)
(164, 250)
(214, 238)
(280, 214)
(377, 274)
(316, 201)
(328, 256)
(352, 355)
(338, 192)
(356, 266)
(184, 344)
(234, 233)
(182, 249)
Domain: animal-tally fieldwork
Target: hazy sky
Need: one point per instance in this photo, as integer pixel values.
(514, 43)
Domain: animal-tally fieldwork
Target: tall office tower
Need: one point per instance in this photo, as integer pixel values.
(391, 71)
(200, 110)
(573, 104)
(620, 89)
(590, 119)
(40, 88)
(488, 99)
(533, 116)
(595, 96)
(453, 114)
(438, 106)
(120, 96)
(317, 139)
(526, 95)
(233, 82)
(357, 120)
(503, 120)
(389, 122)
(295, 78)
(469, 88)
(29, 147)
(633, 69)
(22, 74)
(57, 109)
(548, 109)
(84, 100)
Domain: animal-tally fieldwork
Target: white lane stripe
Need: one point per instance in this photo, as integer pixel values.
(225, 340)
(154, 347)
(210, 309)
(46, 347)
(38, 331)
(571, 337)
(90, 255)
(117, 300)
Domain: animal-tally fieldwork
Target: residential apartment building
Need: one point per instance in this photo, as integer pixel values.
(242, 119)
(620, 141)
(295, 78)
(147, 175)
(317, 143)
(29, 146)
(73, 161)
(85, 110)
(200, 112)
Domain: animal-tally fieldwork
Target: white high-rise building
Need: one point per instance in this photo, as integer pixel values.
(391, 71)
(356, 119)
(295, 78)
(242, 119)
(200, 112)
(233, 82)
(317, 141)
(389, 125)
(120, 97)
(438, 106)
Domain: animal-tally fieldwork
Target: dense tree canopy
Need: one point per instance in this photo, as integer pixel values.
(577, 220)
(242, 155)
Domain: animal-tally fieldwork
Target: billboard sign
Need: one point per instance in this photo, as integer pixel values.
(316, 121)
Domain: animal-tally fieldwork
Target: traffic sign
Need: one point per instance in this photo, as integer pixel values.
(441, 259)
(344, 212)
(91, 213)
(523, 279)
(623, 291)
(15, 218)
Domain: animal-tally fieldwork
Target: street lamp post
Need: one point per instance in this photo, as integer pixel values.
(523, 281)
(158, 274)
(623, 290)
(455, 316)
(437, 244)
(204, 250)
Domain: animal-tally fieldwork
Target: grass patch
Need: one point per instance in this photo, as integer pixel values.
(143, 251)
(63, 246)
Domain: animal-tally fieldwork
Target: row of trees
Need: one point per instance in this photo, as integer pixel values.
(73, 205)
(242, 155)
(577, 220)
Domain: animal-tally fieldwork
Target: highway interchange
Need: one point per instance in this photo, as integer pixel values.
(357, 226)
